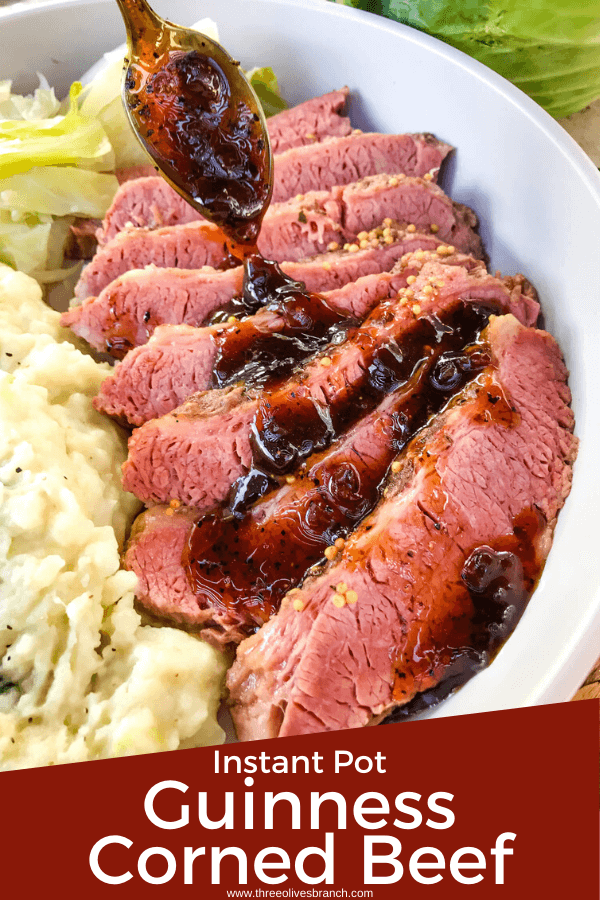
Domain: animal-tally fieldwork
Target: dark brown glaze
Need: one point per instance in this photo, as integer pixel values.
(246, 563)
(118, 346)
(262, 357)
(264, 283)
(209, 142)
(290, 427)
(499, 579)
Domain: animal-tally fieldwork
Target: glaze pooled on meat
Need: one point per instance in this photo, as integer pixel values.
(197, 452)
(395, 602)
(134, 304)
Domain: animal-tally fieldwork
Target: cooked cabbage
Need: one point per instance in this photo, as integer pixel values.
(58, 191)
(51, 170)
(69, 140)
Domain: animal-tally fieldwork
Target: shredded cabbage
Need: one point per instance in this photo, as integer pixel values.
(41, 105)
(48, 175)
(548, 48)
(58, 191)
(72, 139)
(35, 245)
(24, 245)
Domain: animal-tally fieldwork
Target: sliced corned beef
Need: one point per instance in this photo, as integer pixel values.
(184, 246)
(242, 567)
(416, 201)
(179, 360)
(133, 305)
(342, 160)
(148, 202)
(152, 203)
(302, 223)
(157, 377)
(197, 452)
(310, 121)
(293, 230)
(384, 620)
(83, 234)
(154, 551)
(126, 312)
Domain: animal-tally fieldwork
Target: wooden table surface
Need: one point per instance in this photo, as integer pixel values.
(590, 689)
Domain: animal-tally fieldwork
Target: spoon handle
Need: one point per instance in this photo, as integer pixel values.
(139, 16)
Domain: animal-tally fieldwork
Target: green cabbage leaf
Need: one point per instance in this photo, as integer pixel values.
(548, 48)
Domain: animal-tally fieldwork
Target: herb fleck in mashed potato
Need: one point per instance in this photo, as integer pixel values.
(80, 677)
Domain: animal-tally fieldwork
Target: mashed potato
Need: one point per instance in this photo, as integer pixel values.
(80, 677)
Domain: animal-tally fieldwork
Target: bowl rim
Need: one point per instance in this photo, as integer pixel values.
(567, 145)
(561, 680)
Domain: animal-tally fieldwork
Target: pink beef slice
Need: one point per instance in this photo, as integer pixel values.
(178, 360)
(461, 485)
(82, 240)
(378, 197)
(152, 203)
(134, 304)
(154, 551)
(148, 202)
(160, 535)
(342, 160)
(184, 247)
(158, 539)
(294, 230)
(310, 122)
(126, 312)
(361, 206)
(195, 453)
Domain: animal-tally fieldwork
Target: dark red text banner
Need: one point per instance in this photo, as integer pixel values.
(491, 805)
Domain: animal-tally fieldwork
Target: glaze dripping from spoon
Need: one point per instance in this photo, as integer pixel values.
(197, 116)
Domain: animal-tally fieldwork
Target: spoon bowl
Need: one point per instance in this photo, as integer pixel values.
(199, 119)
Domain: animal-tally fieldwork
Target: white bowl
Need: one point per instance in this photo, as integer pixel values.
(538, 197)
